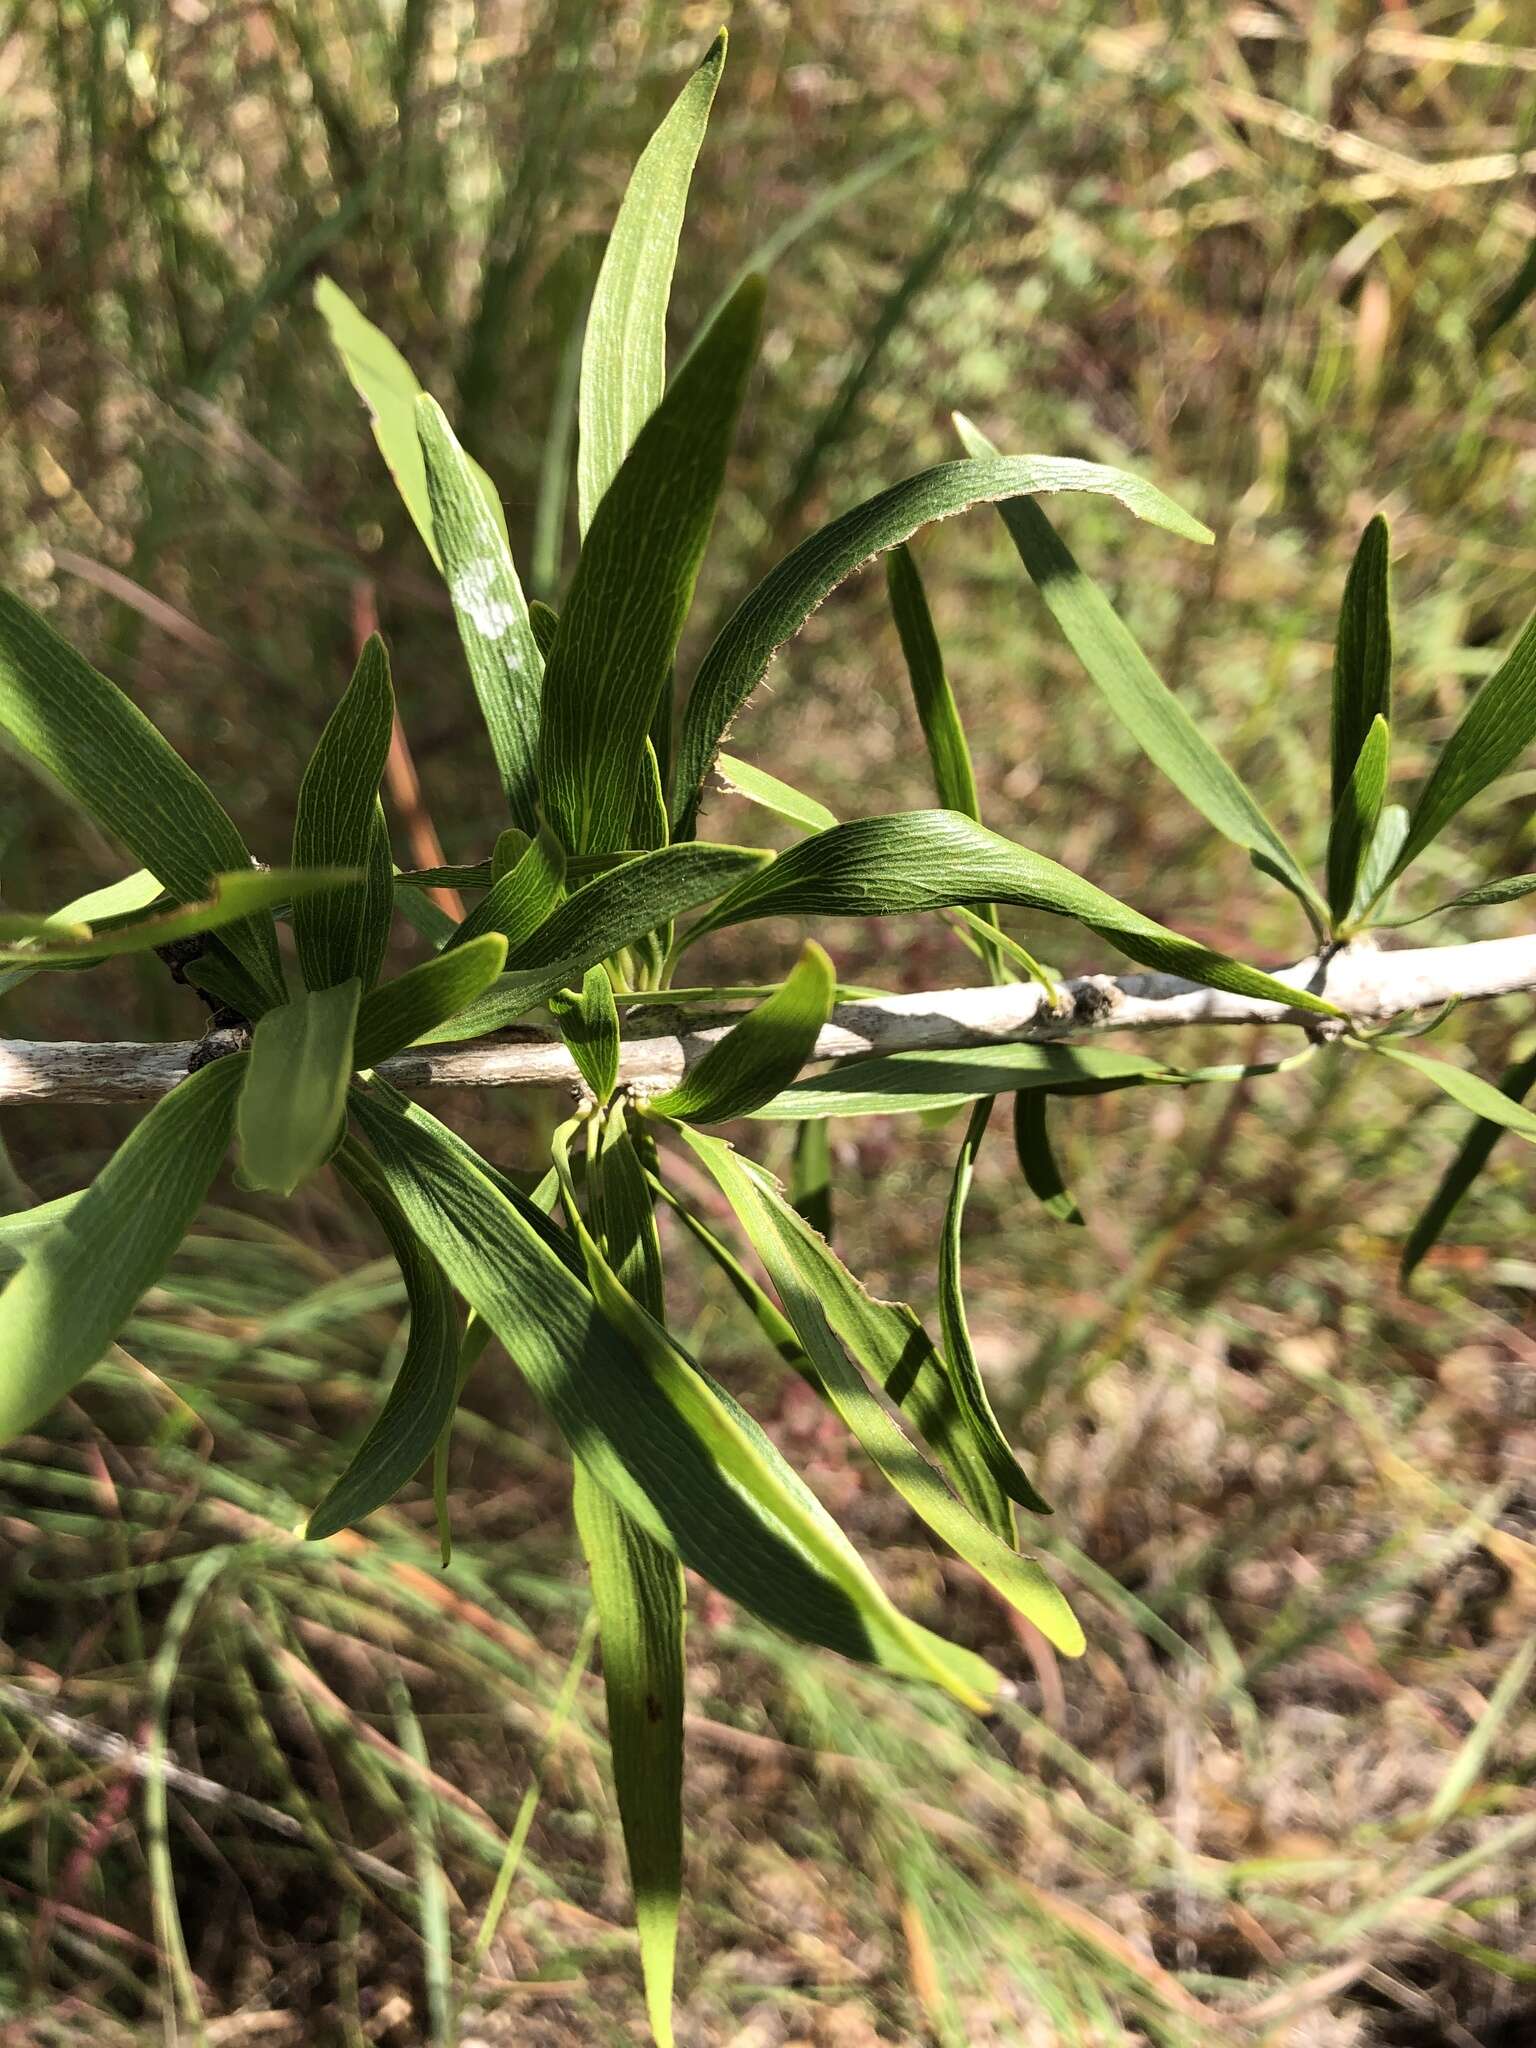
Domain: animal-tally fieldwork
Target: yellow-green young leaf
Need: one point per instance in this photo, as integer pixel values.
(763, 1053)
(669, 1446)
(912, 1083)
(829, 1309)
(1516, 1083)
(89, 737)
(388, 386)
(295, 1095)
(637, 1590)
(589, 1024)
(780, 605)
(928, 860)
(522, 897)
(1470, 1090)
(759, 787)
(231, 900)
(624, 349)
(1362, 657)
(1355, 821)
(396, 1015)
(612, 657)
(1495, 730)
(83, 1278)
(345, 931)
(422, 1399)
(1037, 1157)
(496, 633)
(1132, 688)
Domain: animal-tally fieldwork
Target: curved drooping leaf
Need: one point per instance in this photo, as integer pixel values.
(425, 1390)
(345, 931)
(426, 998)
(680, 1458)
(741, 778)
(624, 349)
(101, 747)
(1362, 657)
(1037, 1157)
(520, 900)
(294, 1100)
(785, 599)
(1515, 1083)
(928, 860)
(763, 1053)
(231, 899)
(1355, 821)
(84, 1276)
(1470, 1090)
(1495, 730)
(1132, 688)
(826, 1306)
(619, 626)
(589, 1024)
(495, 631)
(388, 386)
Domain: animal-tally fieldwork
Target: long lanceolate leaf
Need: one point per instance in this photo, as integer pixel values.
(1362, 656)
(294, 1098)
(786, 597)
(105, 752)
(929, 860)
(60, 941)
(823, 1302)
(760, 1055)
(497, 636)
(909, 1083)
(618, 633)
(425, 1389)
(1132, 688)
(672, 1450)
(83, 1278)
(345, 931)
(1517, 1082)
(1494, 1105)
(624, 351)
(1355, 821)
(425, 998)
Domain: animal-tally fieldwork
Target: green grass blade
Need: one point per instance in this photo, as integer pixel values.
(421, 1401)
(345, 931)
(232, 900)
(1362, 659)
(1355, 821)
(495, 631)
(1515, 1083)
(619, 628)
(294, 1100)
(1037, 1158)
(624, 351)
(1132, 688)
(589, 1024)
(763, 1053)
(101, 747)
(83, 1279)
(759, 787)
(780, 605)
(519, 901)
(929, 860)
(425, 998)
(1470, 1090)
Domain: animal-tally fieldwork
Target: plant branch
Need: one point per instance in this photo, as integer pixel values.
(1371, 986)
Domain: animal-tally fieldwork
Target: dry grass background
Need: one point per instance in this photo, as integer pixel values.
(1287, 1798)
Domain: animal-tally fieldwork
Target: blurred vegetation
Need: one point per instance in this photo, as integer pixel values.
(1255, 254)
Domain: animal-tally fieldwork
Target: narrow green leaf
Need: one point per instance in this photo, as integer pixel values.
(426, 998)
(1355, 821)
(589, 1024)
(495, 631)
(780, 605)
(676, 1454)
(421, 1401)
(759, 787)
(89, 737)
(231, 900)
(810, 1180)
(626, 1212)
(954, 777)
(1362, 658)
(1132, 688)
(295, 1095)
(345, 932)
(1495, 730)
(388, 386)
(1470, 1090)
(545, 621)
(1509, 890)
(1037, 1157)
(613, 654)
(82, 1280)
(624, 351)
(1515, 1083)
(817, 1290)
(637, 1591)
(1371, 892)
(519, 902)
(928, 860)
(763, 1053)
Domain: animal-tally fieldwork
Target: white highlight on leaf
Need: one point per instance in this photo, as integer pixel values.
(475, 593)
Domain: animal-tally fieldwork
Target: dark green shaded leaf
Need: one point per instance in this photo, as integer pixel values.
(545, 621)
(294, 1100)
(589, 1024)
(427, 997)
(1355, 821)
(345, 931)
(954, 778)
(763, 1053)
(1362, 659)
(1515, 1083)
(1037, 1158)
(83, 1278)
